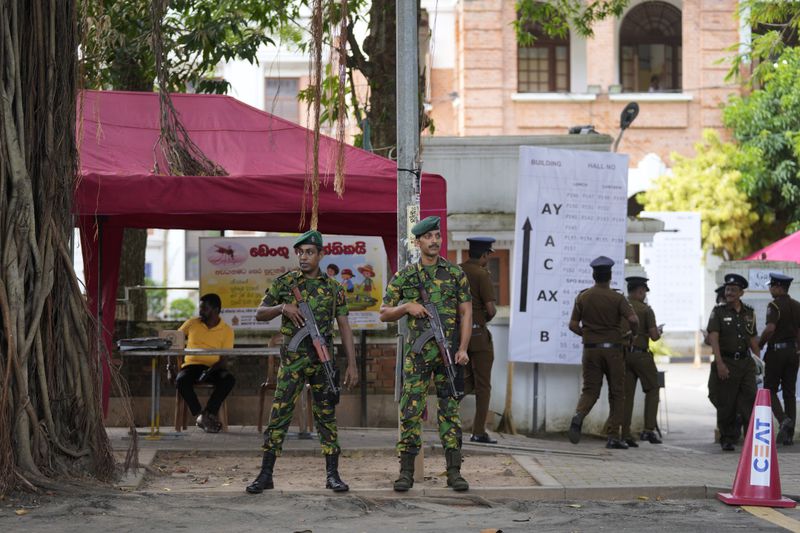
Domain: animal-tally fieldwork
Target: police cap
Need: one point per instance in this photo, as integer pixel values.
(424, 226)
(310, 237)
(634, 282)
(720, 290)
(602, 264)
(780, 279)
(736, 279)
(480, 244)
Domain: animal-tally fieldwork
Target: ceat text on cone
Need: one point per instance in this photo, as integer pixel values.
(758, 480)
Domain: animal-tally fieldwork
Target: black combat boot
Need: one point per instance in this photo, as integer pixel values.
(333, 481)
(406, 479)
(264, 480)
(454, 479)
(575, 428)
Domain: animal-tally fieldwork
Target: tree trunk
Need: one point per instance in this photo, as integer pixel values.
(50, 416)
(381, 73)
(131, 271)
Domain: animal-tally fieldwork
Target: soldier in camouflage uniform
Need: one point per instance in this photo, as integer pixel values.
(732, 335)
(448, 289)
(325, 297)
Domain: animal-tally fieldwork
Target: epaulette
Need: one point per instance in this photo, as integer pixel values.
(584, 290)
(288, 273)
(747, 307)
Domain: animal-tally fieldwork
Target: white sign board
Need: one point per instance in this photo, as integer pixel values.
(758, 279)
(571, 208)
(241, 269)
(674, 264)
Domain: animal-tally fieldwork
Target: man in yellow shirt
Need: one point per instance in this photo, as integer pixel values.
(206, 332)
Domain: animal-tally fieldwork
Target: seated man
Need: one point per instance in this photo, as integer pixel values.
(206, 332)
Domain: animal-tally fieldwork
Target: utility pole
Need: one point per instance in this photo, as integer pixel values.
(408, 172)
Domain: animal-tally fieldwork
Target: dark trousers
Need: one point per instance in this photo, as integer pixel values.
(640, 366)
(222, 380)
(608, 362)
(478, 379)
(735, 395)
(781, 372)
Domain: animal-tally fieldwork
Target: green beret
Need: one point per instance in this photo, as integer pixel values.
(309, 237)
(424, 226)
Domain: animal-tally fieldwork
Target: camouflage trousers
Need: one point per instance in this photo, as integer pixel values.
(295, 370)
(417, 370)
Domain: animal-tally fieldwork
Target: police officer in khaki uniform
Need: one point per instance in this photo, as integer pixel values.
(781, 337)
(732, 333)
(478, 372)
(596, 317)
(639, 364)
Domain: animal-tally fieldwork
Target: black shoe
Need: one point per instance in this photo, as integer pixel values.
(616, 444)
(333, 481)
(264, 480)
(631, 443)
(650, 436)
(575, 429)
(786, 431)
(727, 447)
(208, 423)
(483, 439)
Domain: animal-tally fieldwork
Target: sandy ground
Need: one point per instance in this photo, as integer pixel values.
(187, 471)
(241, 512)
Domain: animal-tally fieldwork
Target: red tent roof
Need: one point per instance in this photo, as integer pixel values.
(267, 159)
(786, 249)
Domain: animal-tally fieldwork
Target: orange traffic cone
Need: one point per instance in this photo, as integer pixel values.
(758, 480)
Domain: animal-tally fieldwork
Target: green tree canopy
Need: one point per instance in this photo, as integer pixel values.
(766, 125)
(710, 183)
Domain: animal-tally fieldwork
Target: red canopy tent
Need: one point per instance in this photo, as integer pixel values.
(267, 159)
(786, 249)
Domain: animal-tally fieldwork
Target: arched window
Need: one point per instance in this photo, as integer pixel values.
(544, 66)
(650, 48)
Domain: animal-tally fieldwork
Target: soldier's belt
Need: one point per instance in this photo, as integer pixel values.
(603, 345)
(781, 345)
(735, 355)
(634, 349)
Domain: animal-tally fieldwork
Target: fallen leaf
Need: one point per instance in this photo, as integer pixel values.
(226, 484)
(574, 505)
(167, 489)
(522, 519)
(643, 498)
(21, 512)
(181, 470)
(491, 530)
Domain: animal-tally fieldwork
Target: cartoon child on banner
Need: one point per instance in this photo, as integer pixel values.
(368, 272)
(347, 280)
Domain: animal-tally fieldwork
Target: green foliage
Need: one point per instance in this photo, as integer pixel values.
(181, 308)
(774, 24)
(556, 17)
(156, 300)
(710, 183)
(198, 35)
(766, 123)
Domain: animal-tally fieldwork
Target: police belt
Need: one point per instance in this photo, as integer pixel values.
(735, 355)
(781, 345)
(635, 349)
(603, 345)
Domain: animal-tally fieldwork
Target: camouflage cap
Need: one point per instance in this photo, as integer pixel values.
(424, 226)
(310, 237)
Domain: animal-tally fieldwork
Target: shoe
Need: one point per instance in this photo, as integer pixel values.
(454, 479)
(483, 439)
(264, 479)
(332, 480)
(616, 444)
(650, 436)
(575, 428)
(207, 422)
(406, 479)
(727, 447)
(786, 431)
(631, 442)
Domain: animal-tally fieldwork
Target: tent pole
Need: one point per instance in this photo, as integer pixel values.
(99, 287)
(363, 379)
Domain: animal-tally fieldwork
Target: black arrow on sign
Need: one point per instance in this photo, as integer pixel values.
(526, 251)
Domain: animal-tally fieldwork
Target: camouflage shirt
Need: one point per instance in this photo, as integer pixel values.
(324, 295)
(447, 287)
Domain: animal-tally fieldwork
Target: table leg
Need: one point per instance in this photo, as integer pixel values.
(154, 388)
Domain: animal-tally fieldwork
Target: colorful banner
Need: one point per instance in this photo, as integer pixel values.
(241, 269)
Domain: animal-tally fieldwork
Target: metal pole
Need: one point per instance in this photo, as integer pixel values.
(535, 427)
(408, 189)
(363, 379)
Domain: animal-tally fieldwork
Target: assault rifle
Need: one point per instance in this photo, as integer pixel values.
(436, 331)
(311, 329)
